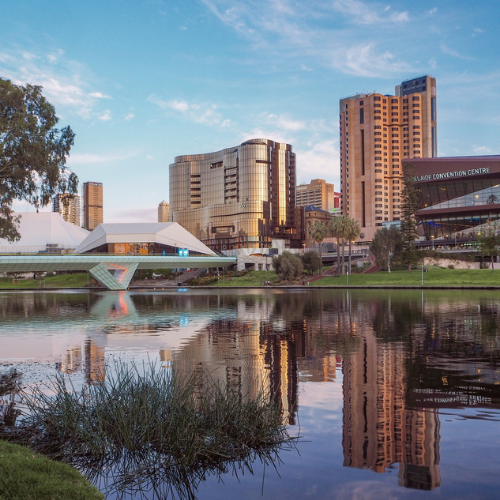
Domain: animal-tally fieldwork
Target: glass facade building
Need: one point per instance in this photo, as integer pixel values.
(240, 197)
(458, 197)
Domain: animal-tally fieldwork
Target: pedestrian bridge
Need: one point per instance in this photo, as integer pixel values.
(112, 271)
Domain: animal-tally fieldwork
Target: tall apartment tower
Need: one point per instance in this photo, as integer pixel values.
(92, 205)
(163, 212)
(376, 132)
(239, 197)
(318, 193)
(68, 205)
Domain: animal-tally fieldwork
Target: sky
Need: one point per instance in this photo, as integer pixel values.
(143, 81)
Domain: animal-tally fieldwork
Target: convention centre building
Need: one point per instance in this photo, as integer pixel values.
(458, 196)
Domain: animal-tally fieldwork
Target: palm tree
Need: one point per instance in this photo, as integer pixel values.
(337, 228)
(317, 231)
(352, 231)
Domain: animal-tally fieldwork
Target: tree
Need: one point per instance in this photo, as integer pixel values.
(32, 153)
(409, 206)
(337, 228)
(352, 230)
(488, 241)
(386, 243)
(287, 266)
(311, 262)
(317, 232)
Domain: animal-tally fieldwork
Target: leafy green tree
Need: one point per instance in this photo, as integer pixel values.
(317, 232)
(288, 266)
(386, 244)
(32, 153)
(409, 206)
(488, 240)
(311, 262)
(352, 231)
(337, 228)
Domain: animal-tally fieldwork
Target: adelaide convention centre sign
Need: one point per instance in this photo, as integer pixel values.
(452, 175)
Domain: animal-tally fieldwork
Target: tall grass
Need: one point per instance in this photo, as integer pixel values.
(146, 423)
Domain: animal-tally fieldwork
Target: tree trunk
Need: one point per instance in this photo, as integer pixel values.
(350, 251)
(389, 262)
(320, 243)
(343, 255)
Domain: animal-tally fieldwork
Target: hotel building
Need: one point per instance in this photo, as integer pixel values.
(92, 205)
(376, 133)
(240, 197)
(318, 193)
(68, 205)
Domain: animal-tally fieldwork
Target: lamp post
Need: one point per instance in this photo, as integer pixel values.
(422, 272)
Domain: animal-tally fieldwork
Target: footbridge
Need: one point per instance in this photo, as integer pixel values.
(112, 271)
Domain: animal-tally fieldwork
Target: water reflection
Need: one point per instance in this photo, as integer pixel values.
(402, 357)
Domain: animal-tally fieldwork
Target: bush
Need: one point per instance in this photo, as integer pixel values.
(288, 266)
(311, 262)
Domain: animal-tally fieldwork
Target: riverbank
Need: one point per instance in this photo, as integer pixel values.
(432, 277)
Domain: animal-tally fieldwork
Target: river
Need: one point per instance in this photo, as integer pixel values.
(395, 394)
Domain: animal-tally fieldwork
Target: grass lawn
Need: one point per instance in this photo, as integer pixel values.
(26, 474)
(76, 280)
(435, 276)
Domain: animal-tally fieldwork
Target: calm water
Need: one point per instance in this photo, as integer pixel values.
(398, 393)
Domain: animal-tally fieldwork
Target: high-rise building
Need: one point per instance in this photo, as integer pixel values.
(68, 205)
(92, 205)
(318, 193)
(376, 132)
(163, 212)
(240, 197)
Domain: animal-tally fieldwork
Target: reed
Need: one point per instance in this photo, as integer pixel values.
(147, 409)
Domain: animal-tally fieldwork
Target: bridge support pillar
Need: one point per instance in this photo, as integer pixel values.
(121, 278)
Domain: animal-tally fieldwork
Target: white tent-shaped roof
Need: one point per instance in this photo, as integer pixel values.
(43, 231)
(166, 233)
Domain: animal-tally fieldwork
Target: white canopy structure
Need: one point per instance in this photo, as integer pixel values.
(166, 233)
(44, 232)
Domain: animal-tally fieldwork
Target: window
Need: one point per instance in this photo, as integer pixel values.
(376, 98)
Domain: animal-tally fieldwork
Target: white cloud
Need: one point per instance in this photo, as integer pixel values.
(106, 116)
(285, 29)
(451, 52)
(203, 113)
(283, 122)
(365, 60)
(319, 161)
(65, 83)
(368, 13)
(482, 150)
(129, 116)
(89, 158)
(98, 95)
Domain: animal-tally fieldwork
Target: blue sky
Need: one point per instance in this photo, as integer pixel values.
(143, 81)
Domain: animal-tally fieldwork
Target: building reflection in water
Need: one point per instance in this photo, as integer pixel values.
(90, 359)
(378, 429)
(401, 360)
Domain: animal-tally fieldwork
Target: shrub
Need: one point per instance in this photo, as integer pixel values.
(311, 262)
(288, 266)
